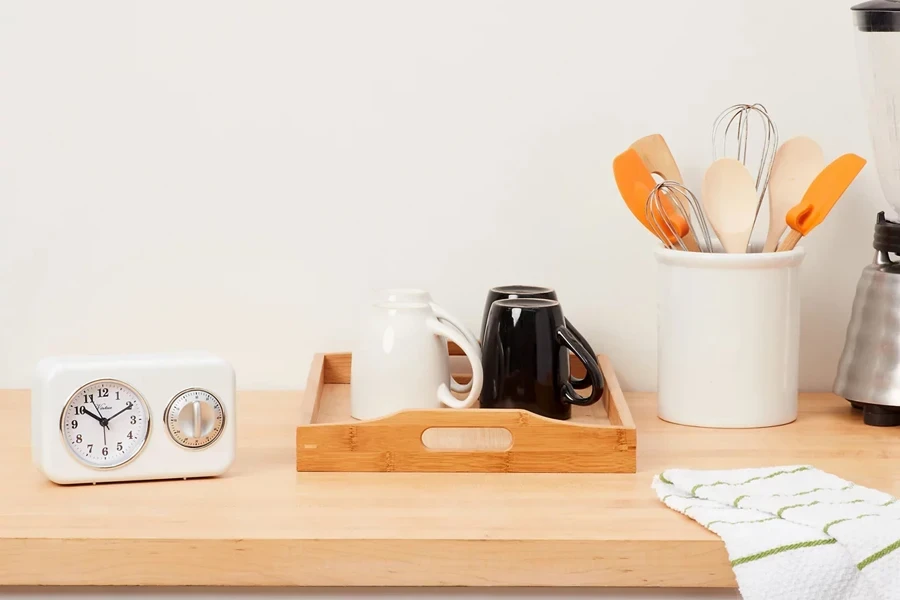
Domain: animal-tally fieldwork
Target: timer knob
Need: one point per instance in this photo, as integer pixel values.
(195, 418)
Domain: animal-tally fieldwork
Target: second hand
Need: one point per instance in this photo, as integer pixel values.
(104, 423)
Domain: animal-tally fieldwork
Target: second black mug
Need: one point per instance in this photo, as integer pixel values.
(525, 357)
(513, 292)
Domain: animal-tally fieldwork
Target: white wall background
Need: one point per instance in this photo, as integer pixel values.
(236, 176)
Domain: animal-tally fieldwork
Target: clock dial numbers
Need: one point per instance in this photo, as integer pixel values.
(105, 424)
(195, 418)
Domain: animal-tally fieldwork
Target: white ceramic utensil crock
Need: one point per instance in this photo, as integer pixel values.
(401, 362)
(729, 338)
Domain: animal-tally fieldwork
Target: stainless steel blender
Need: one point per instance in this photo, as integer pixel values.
(869, 371)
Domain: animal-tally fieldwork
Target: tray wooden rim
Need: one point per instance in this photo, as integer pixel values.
(613, 401)
(334, 368)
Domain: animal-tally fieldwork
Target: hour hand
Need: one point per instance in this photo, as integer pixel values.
(84, 411)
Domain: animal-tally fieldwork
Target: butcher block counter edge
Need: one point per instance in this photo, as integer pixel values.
(266, 525)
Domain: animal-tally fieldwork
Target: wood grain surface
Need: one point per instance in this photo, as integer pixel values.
(264, 524)
(460, 441)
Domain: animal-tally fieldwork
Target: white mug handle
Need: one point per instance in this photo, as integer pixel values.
(443, 315)
(443, 393)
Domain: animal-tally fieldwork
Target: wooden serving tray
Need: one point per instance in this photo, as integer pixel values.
(598, 439)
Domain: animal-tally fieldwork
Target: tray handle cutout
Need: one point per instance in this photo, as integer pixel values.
(467, 439)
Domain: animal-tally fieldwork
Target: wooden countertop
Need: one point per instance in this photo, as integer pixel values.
(265, 524)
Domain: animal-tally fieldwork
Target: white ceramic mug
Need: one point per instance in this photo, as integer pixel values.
(401, 362)
(729, 338)
(421, 296)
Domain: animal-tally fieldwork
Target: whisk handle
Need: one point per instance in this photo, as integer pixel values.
(597, 383)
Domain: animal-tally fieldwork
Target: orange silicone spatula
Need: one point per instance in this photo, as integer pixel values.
(824, 192)
(635, 184)
(797, 164)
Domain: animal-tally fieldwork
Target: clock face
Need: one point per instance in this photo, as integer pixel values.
(105, 424)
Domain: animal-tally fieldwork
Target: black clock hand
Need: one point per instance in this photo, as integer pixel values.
(85, 411)
(104, 422)
(128, 407)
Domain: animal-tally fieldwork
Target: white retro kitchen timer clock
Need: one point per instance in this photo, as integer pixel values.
(128, 418)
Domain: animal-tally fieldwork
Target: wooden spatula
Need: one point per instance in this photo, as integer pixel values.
(635, 184)
(730, 201)
(655, 153)
(658, 158)
(820, 198)
(797, 163)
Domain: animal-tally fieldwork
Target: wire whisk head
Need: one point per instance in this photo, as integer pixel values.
(735, 123)
(674, 213)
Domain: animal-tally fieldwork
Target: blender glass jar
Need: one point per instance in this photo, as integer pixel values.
(878, 48)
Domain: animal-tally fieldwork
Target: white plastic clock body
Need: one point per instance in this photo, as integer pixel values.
(133, 417)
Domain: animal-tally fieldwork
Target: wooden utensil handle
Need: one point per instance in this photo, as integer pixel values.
(690, 242)
(790, 241)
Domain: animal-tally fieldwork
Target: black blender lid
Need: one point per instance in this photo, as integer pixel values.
(877, 15)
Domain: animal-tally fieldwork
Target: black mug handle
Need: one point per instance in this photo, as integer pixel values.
(584, 382)
(594, 376)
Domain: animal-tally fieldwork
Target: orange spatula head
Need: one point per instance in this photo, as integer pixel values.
(824, 192)
(635, 184)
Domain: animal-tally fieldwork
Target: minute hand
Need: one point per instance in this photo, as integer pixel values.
(128, 407)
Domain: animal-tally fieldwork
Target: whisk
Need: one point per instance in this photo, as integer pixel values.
(738, 118)
(673, 211)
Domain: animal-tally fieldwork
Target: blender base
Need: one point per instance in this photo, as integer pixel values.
(877, 415)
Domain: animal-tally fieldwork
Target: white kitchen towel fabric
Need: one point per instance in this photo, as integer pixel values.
(795, 532)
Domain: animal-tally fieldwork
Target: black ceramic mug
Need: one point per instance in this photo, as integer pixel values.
(525, 357)
(511, 292)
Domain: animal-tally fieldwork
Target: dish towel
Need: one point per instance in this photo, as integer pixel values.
(795, 532)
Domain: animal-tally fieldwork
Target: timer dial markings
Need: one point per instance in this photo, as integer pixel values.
(108, 439)
(195, 418)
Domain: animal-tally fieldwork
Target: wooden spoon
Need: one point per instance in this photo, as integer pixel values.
(821, 197)
(797, 163)
(730, 201)
(635, 184)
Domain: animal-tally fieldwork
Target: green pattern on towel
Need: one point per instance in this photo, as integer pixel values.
(751, 480)
(780, 549)
(839, 544)
(878, 555)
